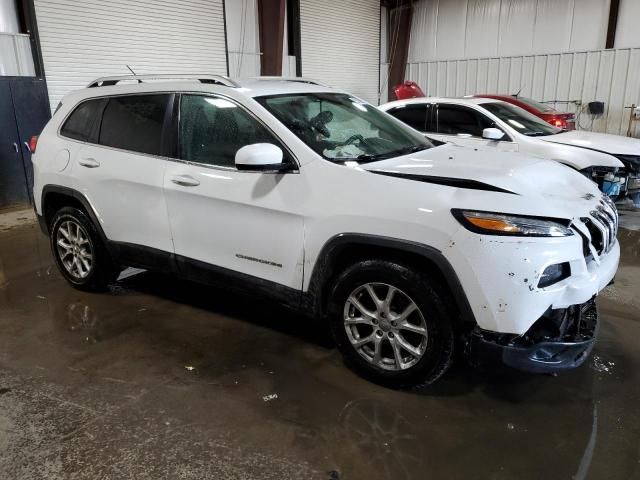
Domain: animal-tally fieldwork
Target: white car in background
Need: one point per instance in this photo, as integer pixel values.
(612, 161)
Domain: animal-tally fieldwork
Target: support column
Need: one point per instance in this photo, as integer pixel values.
(398, 32)
(271, 24)
(612, 24)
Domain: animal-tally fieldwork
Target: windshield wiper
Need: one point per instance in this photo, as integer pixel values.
(367, 157)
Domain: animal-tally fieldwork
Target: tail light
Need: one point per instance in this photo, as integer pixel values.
(558, 122)
(33, 143)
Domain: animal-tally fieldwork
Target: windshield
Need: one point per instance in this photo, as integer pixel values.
(521, 120)
(341, 127)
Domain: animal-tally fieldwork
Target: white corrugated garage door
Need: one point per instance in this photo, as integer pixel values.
(83, 40)
(340, 44)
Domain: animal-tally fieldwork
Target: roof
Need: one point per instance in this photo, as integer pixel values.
(252, 87)
(255, 87)
(458, 100)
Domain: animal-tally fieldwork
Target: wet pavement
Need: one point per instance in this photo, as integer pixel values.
(161, 378)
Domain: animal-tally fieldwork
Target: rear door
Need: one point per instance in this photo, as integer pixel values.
(120, 169)
(462, 125)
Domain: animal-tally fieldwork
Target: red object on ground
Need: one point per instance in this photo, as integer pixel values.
(408, 89)
(564, 120)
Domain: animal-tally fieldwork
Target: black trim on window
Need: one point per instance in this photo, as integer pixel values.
(168, 137)
(97, 122)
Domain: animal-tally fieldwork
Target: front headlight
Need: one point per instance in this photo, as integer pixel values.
(488, 223)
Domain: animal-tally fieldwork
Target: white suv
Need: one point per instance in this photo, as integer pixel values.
(312, 196)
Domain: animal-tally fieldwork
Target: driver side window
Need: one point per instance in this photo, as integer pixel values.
(213, 129)
(454, 120)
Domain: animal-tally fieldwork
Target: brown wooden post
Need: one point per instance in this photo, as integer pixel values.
(399, 31)
(613, 23)
(271, 24)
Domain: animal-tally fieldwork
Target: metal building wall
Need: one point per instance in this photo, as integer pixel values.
(611, 76)
(339, 44)
(243, 38)
(458, 29)
(82, 40)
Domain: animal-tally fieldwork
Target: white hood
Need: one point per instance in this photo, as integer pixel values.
(603, 142)
(534, 180)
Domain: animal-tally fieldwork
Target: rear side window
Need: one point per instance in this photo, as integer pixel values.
(416, 116)
(79, 124)
(134, 123)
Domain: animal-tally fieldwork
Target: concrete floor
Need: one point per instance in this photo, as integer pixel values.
(166, 379)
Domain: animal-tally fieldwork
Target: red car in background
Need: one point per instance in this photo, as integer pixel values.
(566, 121)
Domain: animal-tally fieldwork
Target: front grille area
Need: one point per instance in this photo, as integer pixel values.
(602, 225)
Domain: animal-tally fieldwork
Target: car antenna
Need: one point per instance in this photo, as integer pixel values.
(517, 93)
(134, 73)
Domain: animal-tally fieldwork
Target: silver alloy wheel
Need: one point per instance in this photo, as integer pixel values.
(75, 250)
(385, 326)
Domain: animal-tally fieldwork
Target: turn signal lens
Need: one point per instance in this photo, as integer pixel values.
(489, 223)
(493, 224)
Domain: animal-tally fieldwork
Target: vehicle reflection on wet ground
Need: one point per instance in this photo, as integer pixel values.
(161, 378)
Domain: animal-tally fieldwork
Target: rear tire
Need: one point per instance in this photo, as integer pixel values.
(399, 339)
(79, 251)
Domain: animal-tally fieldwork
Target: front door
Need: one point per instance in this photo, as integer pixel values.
(227, 220)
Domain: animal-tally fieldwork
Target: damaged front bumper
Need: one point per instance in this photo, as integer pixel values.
(560, 340)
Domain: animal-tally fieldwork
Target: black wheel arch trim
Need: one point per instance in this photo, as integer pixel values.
(76, 195)
(322, 270)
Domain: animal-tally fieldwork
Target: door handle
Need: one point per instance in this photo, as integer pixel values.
(185, 181)
(26, 145)
(15, 147)
(89, 162)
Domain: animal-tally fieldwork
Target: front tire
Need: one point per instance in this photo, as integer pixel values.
(79, 252)
(390, 324)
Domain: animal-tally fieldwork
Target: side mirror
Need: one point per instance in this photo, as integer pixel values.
(259, 157)
(492, 133)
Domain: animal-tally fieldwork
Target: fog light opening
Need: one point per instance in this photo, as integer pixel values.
(554, 274)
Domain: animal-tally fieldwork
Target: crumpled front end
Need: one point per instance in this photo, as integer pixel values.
(534, 298)
(631, 174)
(561, 339)
(610, 180)
(511, 282)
